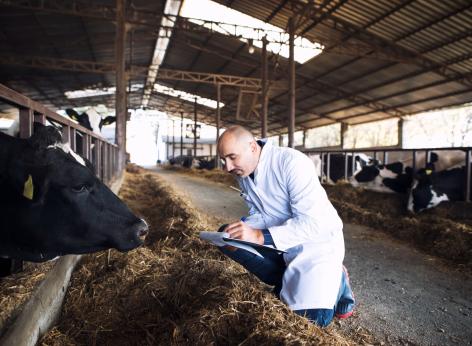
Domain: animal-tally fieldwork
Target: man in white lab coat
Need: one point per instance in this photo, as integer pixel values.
(288, 209)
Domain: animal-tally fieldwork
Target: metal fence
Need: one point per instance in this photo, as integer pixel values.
(383, 155)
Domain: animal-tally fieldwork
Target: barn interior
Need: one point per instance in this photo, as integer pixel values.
(276, 67)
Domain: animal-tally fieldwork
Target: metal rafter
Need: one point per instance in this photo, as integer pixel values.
(437, 67)
(100, 68)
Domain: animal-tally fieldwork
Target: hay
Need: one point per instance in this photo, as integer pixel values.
(175, 290)
(445, 231)
(16, 289)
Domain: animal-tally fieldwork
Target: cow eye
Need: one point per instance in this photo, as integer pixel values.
(80, 188)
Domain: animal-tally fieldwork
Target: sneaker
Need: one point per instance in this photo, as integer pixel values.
(346, 302)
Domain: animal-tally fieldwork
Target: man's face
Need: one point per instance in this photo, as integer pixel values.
(238, 157)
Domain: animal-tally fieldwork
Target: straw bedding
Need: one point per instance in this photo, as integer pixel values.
(16, 289)
(174, 290)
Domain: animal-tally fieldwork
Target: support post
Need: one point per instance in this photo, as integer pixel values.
(120, 100)
(264, 94)
(218, 118)
(291, 122)
(400, 133)
(26, 122)
(181, 133)
(343, 134)
(173, 138)
(195, 128)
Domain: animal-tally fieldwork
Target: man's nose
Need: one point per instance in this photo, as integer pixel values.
(229, 166)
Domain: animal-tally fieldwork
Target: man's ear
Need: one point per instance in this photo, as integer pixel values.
(253, 145)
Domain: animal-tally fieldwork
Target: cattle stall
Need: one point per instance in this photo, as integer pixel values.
(90, 145)
(49, 279)
(327, 159)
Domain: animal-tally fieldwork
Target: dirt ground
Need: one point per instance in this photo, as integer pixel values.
(405, 295)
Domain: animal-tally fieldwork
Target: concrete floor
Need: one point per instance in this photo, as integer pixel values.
(404, 297)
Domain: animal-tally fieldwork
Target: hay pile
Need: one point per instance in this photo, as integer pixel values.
(175, 290)
(445, 231)
(16, 289)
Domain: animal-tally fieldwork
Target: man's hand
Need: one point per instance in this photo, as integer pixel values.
(240, 230)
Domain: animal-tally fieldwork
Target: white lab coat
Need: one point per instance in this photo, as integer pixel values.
(287, 198)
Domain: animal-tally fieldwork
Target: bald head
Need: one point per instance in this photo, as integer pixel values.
(239, 151)
(236, 133)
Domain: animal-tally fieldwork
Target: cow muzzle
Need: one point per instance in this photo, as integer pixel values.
(142, 230)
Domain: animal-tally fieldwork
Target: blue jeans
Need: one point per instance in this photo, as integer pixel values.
(270, 270)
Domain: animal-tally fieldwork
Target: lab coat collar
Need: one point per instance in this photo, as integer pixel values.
(263, 157)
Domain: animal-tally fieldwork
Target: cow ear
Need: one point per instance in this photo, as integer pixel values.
(30, 181)
(44, 136)
(433, 158)
(72, 114)
(109, 120)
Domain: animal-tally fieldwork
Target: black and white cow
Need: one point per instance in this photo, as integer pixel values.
(393, 177)
(430, 188)
(337, 165)
(52, 204)
(91, 119)
(397, 177)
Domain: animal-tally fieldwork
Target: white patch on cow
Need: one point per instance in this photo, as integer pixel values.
(66, 148)
(437, 199)
(94, 119)
(377, 184)
(410, 196)
(386, 173)
(374, 185)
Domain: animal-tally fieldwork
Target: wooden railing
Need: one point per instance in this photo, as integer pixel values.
(103, 154)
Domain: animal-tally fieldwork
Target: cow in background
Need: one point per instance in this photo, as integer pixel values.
(430, 187)
(91, 120)
(337, 165)
(397, 177)
(52, 203)
(393, 177)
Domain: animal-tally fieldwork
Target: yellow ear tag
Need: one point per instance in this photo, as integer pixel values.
(429, 171)
(29, 188)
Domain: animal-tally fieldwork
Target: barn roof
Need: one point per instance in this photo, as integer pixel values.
(382, 59)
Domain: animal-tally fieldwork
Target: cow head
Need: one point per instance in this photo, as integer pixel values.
(423, 194)
(82, 119)
(56, 205)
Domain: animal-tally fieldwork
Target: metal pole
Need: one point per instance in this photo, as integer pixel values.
(467, 173)
(173, 138)
(291, 122)
(264, 95)
(343, 134)
(167, 140)
(120, 100)
(400, 133)
(195, 129)
(181, 133)
(218, 118)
